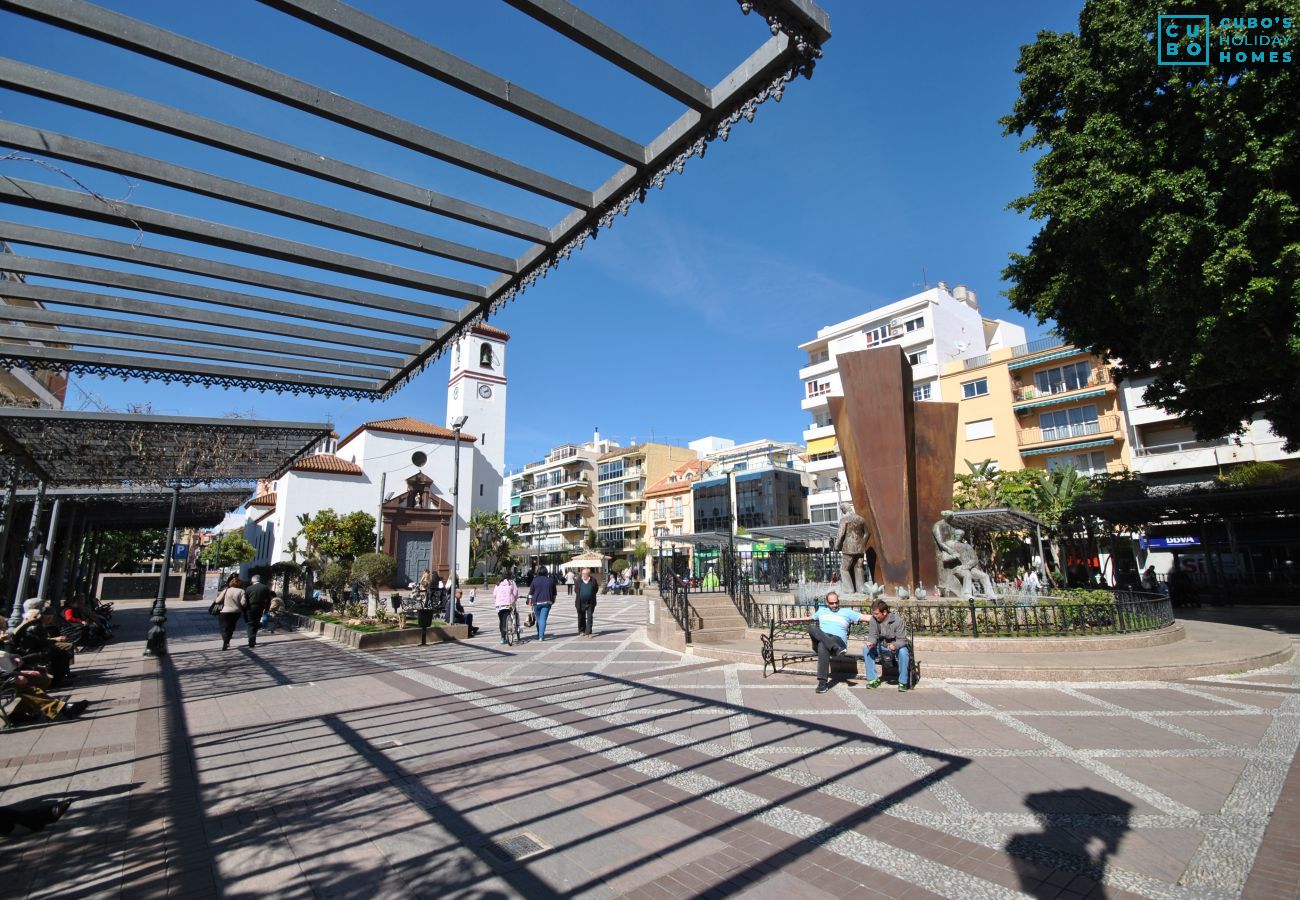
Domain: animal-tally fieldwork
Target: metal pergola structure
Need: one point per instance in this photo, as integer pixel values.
(359, 326)
(125, 468)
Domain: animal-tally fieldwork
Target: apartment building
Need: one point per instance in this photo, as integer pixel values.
(669, 508)
(933, 328)
(552, 501)
(1044, 404)
(622, 479)
(1165, 449)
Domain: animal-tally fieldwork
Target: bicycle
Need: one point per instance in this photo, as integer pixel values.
(513, 630)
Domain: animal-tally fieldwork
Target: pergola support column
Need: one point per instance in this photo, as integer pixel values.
(156, 642)
(33, 541)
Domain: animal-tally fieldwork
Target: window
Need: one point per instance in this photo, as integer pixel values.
(821, 420)
(921, 393)
(1066, 423)
(980, 428)
(677, 529)
(818, 356)
(659, 509)
(610, 470)
(914, 324)
(824, 512)
(877, 335)
(610, 493)
(1063, 378)
(677, 506)
(485, 356)
(480, 489)
(817, 388)
(977, 388)
(1085, 463)
(919, 357)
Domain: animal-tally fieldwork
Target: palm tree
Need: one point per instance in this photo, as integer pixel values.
(491, 538)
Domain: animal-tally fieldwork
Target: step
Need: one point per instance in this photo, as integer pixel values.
(716, 635)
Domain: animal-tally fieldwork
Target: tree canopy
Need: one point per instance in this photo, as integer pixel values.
(331, 537)
(230, 549)
(1168, 197)
(491, 538)
(126, 551)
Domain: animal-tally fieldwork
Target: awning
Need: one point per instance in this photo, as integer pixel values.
(823, 445)
(1066, 448)
(1035, 360)
(1001, 519)
(1053, 399)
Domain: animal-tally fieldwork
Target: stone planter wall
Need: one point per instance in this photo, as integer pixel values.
(376, 640)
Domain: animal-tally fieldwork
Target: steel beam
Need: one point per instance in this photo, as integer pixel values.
(96, 98)
(180, 369)
(67, 337)
(60, 146)
(599, 38)
(379, 37)
(174, 49)
(42, 316)
(34, 195)
(44, 237)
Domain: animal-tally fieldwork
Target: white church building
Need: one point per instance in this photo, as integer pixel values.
(374, 469)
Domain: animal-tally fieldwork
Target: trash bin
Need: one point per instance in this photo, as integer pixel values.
(424, 618)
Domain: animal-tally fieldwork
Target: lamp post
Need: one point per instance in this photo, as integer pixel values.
(456, 425)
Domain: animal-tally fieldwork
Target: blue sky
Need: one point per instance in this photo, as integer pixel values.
(886, 170)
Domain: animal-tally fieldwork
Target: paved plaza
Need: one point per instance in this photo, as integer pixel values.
(609, 767)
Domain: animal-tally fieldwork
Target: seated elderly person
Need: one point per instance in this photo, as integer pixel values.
(887, 631)
(31, 702)
(76, 613)
(33, 641)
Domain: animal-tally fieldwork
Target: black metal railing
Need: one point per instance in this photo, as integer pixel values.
(1130, 612)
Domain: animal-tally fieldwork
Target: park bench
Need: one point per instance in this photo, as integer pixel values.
(785, 644)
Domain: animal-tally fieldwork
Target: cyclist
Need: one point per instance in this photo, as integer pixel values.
(504, 596)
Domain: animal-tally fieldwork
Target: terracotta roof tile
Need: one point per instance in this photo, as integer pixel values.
(666, 486)
(327, 462)
(407, 425)
(490, 331)
(267, 499)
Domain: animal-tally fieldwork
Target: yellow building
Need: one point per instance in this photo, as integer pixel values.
(1045, 405)
(623, 475)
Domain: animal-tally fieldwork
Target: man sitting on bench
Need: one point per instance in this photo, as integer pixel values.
(886, 631)
(829, 629)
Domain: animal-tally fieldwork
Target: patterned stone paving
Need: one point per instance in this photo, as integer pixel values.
(303, 769)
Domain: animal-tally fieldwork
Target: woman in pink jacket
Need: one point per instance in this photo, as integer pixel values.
(504, 596)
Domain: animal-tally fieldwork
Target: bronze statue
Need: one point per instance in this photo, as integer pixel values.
(959, 566)
(851, 541)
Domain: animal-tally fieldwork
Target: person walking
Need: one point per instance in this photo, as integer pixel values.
(541, 596)
(504, 597)
(257, 599)
(587, 588)
(568, 581)
(229, 605)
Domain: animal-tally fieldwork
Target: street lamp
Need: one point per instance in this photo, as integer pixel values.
(456, 425)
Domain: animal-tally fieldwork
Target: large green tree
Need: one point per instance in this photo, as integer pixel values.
(127, 551)
(330, 537)
(1168, 197)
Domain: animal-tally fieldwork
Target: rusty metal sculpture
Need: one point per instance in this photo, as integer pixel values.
(898, 457)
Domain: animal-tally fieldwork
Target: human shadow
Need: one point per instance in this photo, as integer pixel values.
(1081, 829)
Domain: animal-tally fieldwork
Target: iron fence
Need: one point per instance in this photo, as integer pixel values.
(1129, 612)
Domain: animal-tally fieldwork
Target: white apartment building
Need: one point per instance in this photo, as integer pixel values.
(1165, 450)
(552, 501)
(933, 328)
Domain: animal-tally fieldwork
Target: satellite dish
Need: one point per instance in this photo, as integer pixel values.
(418, 459)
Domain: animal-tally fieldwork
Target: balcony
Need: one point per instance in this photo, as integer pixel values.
(974, 362)
(1104, 425)
(1038, 346)
(825, 463)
